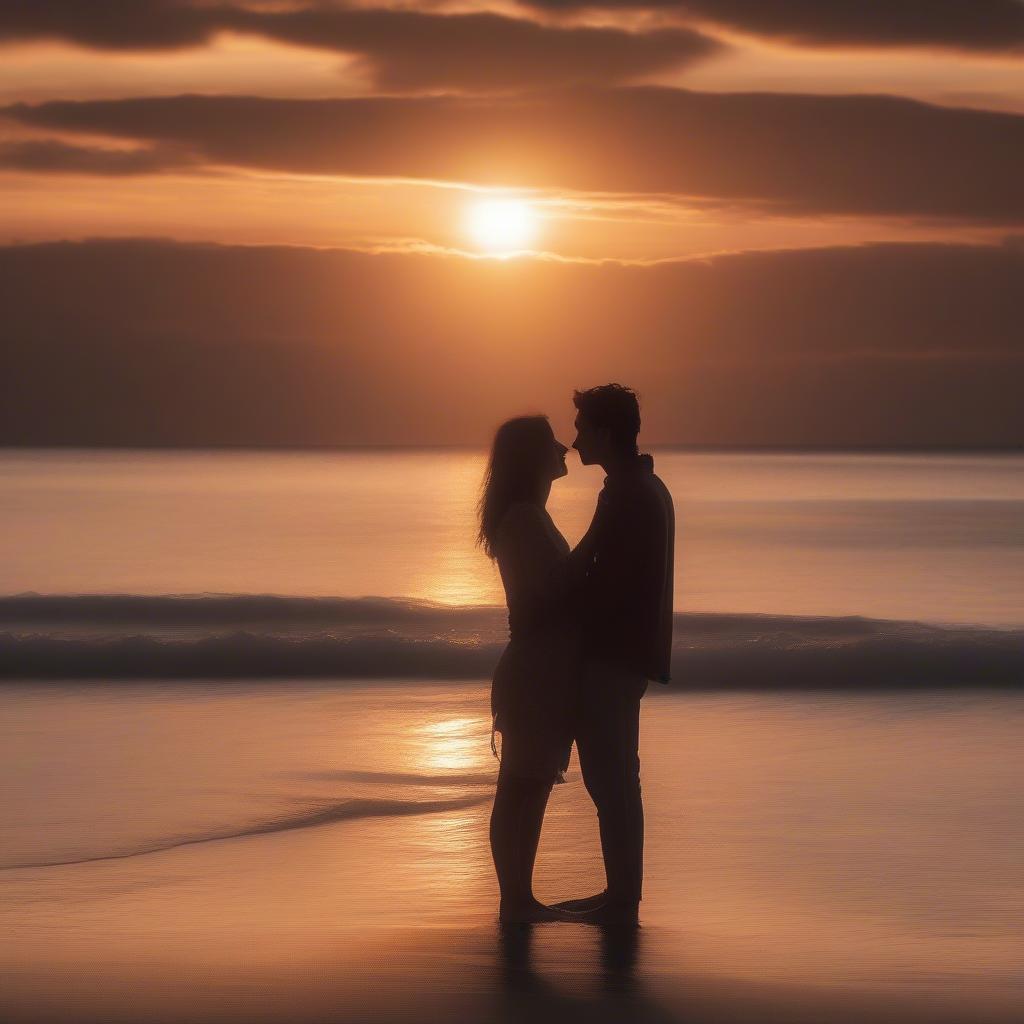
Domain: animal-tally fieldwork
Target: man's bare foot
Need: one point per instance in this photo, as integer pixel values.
(529, 913)
(584, 904)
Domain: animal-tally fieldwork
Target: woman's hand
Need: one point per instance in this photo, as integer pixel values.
(582, 556)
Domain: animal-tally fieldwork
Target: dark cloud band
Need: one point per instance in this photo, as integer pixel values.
(107, 24)
(401, 49)
(407, 50)
(785, 154)
(50, 156)
(986, 26)
(163, 343)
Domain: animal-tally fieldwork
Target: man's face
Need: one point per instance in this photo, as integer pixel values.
(590, 441)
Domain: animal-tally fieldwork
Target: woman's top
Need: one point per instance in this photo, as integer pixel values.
(533, 687)
(533, 559)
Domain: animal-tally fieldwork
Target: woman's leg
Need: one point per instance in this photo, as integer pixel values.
(535, 804)
(516, 822)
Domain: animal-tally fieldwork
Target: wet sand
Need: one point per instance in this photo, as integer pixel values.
(289, 852)
(542, 973)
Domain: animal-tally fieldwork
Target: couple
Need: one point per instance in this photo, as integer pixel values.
(588, 628)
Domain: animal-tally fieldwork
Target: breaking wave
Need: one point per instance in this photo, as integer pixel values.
(265, 636)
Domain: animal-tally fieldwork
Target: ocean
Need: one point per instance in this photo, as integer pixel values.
(244, 738)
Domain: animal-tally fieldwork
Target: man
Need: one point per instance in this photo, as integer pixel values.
(625, 601)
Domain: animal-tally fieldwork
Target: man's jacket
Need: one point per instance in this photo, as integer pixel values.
(626, 594)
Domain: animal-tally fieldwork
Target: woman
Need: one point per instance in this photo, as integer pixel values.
(532, 694)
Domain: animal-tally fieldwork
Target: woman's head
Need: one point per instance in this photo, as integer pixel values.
(525, 458)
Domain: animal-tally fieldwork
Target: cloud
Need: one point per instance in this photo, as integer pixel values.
(412, 50)
(164, 343)
(50, 156)
(108, 24)
(985, 26)
(401, 49)
(784, 154)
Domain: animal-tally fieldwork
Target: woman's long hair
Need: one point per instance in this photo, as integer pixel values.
(519, 457)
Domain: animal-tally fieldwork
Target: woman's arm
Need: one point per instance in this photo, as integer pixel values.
(582, 556)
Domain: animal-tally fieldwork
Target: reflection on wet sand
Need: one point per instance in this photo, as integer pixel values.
(834, 859)
(543, 975)
(615, 957)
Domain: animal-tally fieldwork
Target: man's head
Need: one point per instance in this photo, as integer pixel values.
(607, 422)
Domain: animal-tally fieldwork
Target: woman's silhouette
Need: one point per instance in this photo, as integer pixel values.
(532, 695)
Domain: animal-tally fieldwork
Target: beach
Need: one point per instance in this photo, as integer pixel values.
(294, 851)
(295, 828)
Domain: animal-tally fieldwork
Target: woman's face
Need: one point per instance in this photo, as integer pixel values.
(558, 453)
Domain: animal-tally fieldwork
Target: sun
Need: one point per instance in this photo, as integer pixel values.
(502, 226)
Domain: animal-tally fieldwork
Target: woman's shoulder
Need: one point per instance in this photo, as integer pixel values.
(522, 515)
(523, 522)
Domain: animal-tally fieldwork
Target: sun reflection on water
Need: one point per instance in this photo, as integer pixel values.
(456, 744)
(450, 860)
(460, 576)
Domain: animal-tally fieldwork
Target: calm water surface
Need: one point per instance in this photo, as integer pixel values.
(932, 537)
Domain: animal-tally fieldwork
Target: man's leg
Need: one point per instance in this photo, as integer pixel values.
(608, 740)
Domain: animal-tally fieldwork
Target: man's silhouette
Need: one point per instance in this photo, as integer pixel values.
(625, 604)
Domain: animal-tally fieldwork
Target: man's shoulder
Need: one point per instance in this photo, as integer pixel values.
(640, 491)
(649, 489)
(652, 507)
(658, 486)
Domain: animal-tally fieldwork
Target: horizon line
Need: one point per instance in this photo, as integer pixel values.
(475, 447)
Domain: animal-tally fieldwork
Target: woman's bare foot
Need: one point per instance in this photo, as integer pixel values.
(618, 915)
(529, 913)
(583, 905)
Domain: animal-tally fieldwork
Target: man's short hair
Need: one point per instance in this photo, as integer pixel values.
(614, 408)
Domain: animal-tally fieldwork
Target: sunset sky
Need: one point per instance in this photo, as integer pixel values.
(784, 221)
